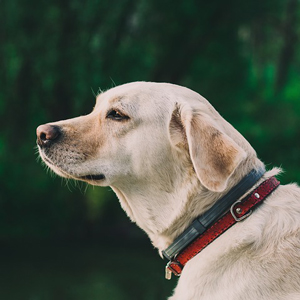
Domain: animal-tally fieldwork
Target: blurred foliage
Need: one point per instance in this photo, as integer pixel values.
(86, 272)
(243, 56)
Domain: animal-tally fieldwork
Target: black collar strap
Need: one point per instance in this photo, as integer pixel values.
(204, 221)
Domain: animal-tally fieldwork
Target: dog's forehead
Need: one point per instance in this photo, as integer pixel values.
(137, 95)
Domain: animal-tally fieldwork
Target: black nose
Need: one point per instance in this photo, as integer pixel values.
(46, 134)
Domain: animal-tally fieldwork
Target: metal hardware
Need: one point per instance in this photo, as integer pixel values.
(257, 195)
(238, 210)
(169, 270)
(168, 273)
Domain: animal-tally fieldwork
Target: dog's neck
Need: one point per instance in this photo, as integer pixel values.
(165, 212)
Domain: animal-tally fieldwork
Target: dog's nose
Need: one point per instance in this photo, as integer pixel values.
(46, 134)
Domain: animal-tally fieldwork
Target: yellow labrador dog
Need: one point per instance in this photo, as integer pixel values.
(173, 160)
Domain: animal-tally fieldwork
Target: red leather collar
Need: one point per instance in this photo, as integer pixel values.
(240, 210)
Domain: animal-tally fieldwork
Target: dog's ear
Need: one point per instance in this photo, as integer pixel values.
(214, 154)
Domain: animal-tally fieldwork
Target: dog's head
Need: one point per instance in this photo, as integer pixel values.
(147, 132)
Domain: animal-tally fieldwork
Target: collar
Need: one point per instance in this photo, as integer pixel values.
(221, 216)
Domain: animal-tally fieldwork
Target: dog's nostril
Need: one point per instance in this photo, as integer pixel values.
(47, 134)
(43, 136)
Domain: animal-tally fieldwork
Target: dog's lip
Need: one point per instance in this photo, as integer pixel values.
(45, 158)
(93, 177)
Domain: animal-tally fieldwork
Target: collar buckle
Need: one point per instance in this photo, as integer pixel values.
(237, 212)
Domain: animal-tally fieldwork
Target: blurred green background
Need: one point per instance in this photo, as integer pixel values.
(70, 241)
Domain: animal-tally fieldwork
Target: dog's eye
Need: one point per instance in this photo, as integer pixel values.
(115, 115)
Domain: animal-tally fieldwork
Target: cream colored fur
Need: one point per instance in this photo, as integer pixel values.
(168, 163)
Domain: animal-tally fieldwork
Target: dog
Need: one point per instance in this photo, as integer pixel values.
(170, 157)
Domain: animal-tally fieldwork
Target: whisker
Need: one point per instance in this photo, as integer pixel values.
(100, 91)
(86, 188)
(94, 94)
(114, 84)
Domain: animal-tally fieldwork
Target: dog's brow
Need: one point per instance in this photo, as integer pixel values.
(113, 100)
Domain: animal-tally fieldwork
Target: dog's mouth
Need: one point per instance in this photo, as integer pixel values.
(62, 171)
(93, 177)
